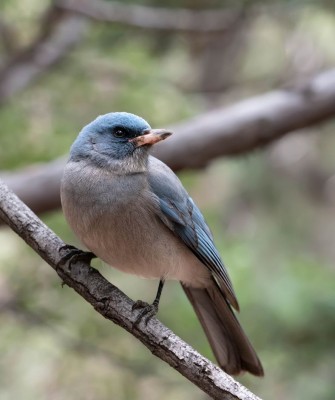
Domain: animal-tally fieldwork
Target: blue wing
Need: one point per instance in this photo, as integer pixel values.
(184, 218)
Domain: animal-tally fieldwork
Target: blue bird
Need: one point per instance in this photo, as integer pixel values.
(131, 211)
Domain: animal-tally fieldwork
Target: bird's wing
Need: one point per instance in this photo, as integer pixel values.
(183, 217)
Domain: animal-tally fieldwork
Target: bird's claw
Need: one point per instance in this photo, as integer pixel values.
(147, 311)
(74, 255)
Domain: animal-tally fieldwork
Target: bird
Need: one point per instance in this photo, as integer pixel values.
(131, 211)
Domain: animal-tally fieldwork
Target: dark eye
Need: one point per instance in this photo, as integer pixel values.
(119, 133)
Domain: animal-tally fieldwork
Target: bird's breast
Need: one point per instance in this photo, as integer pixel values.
(117, 218)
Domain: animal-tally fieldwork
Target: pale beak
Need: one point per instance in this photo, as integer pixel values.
(151, 136)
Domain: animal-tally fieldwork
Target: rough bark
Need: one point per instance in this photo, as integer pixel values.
(114, 305)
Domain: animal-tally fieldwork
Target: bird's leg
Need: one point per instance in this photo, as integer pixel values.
(74, 255)
(148, 310)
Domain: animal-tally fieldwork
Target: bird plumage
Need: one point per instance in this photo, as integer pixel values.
(132, 211)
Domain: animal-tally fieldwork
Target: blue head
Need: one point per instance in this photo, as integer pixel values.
(115, 139)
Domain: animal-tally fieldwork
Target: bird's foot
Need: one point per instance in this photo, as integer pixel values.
(147, 311)
(74, 255)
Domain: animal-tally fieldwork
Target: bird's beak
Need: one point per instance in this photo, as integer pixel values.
(151, 136)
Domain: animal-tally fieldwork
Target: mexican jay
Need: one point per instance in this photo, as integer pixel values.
(132, 212)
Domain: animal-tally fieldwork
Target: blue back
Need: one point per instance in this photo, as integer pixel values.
(187, 222)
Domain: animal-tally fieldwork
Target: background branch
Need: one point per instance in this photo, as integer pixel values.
(64, 24)
(237, 129)
(144, 17)
(250, 124)
(60, 31)
(114, 305)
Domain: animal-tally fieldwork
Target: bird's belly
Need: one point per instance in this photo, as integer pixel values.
(123, 229)
(139, 243)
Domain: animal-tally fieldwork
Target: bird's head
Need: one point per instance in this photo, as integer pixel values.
(119, 141)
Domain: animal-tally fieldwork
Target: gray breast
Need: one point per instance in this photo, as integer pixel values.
(116, 217)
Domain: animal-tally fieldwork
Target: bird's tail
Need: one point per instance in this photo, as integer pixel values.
(229, 343)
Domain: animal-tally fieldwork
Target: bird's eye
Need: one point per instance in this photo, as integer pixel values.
(119, 133)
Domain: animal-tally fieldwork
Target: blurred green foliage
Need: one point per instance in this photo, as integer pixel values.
(274, 228)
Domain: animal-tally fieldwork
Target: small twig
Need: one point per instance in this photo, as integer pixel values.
(114, 305)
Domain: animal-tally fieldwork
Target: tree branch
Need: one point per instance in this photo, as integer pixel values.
(114, 305)
(64, 25)
(38, 185)
(250, 124)
(238, 129)
(60, 31)
(144, 17)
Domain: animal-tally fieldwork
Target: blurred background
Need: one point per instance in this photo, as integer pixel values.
(271, 211)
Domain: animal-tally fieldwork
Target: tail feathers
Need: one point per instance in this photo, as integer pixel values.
(229, 343)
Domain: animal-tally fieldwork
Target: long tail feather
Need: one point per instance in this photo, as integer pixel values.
(229, 343)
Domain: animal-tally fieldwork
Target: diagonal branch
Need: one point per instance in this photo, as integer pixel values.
(238, 129)
(158, 18)
(250, 124)
(114, 305)
(60, 32)
(64, 24)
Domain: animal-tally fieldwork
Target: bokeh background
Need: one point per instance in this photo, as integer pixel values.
(272, 211)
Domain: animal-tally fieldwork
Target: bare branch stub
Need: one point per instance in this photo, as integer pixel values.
(114, 305)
